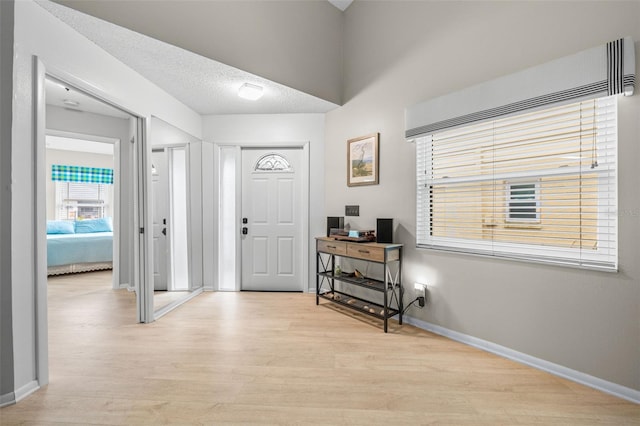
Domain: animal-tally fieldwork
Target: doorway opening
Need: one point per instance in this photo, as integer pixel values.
(88, 224)
(83, 205)
(263, 217)
(84, 148)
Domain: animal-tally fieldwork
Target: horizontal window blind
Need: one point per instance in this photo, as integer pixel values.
(538, 186)
(76, 200)
(84, 191)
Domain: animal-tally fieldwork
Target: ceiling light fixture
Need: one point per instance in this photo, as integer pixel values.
(250, 91)
(70, 103)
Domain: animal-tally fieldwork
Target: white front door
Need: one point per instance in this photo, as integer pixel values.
(160, 214)
(272, 250)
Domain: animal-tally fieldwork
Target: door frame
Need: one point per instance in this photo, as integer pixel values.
(252, 154)
(142, 177)
(306, 169)
(115, 281)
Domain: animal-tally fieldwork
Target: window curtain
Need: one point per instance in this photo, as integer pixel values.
(61, 173)
(605, 70)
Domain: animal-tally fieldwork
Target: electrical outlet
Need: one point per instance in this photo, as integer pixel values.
(421, 289)
(352, 210)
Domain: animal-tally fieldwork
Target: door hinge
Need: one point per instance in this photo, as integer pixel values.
(133, 140)
(142, 230)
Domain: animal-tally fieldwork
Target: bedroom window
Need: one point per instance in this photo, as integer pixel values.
(82, 192)
(538, 186)
(77, 201)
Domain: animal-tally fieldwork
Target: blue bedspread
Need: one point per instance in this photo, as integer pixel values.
(66, 249)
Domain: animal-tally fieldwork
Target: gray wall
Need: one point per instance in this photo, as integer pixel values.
(86, 123)
(6, 95)
(401, 53)
(296, 43)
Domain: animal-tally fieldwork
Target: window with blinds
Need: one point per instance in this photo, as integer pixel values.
(539, 186)
(80, 200)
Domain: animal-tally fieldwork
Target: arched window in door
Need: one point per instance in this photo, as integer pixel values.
(272, 163)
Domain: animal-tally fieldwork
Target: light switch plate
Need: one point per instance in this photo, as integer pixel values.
(352, 210)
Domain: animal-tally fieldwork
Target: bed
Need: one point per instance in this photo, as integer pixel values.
(79, 246)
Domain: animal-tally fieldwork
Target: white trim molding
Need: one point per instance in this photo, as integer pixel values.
(522, 358)
(7, 399)
(26, 390)
(170, 307)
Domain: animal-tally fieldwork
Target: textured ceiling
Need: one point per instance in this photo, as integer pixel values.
(205, 85)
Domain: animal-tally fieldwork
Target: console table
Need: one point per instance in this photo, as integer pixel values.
(389, 255)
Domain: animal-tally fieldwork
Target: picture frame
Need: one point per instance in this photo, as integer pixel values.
(363, 161)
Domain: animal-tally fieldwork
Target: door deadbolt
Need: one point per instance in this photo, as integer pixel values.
(245, 220)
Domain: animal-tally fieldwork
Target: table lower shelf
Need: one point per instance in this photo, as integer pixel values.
(359, 305)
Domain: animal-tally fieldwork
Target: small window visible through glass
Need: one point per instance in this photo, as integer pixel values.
(272, 163)
(522, 202)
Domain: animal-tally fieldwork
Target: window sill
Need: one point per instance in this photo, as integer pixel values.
(523, 225)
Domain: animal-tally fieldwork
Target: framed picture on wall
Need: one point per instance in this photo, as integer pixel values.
(362, 160)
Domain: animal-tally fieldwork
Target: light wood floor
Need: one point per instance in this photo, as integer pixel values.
(165, 298)
(268, 358)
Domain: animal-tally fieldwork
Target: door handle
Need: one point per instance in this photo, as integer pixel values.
(164, 231)
(245, 230)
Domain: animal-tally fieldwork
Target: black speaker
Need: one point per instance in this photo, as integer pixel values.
(336, 222)
(384, 231)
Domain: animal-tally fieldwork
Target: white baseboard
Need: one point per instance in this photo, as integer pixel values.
(14, 397)
(7, 399)
(124, 285)
(558, 370)
(26, 390)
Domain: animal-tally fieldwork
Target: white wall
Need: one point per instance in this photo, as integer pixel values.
(63, 51)
(281, 129)
(401, 53)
